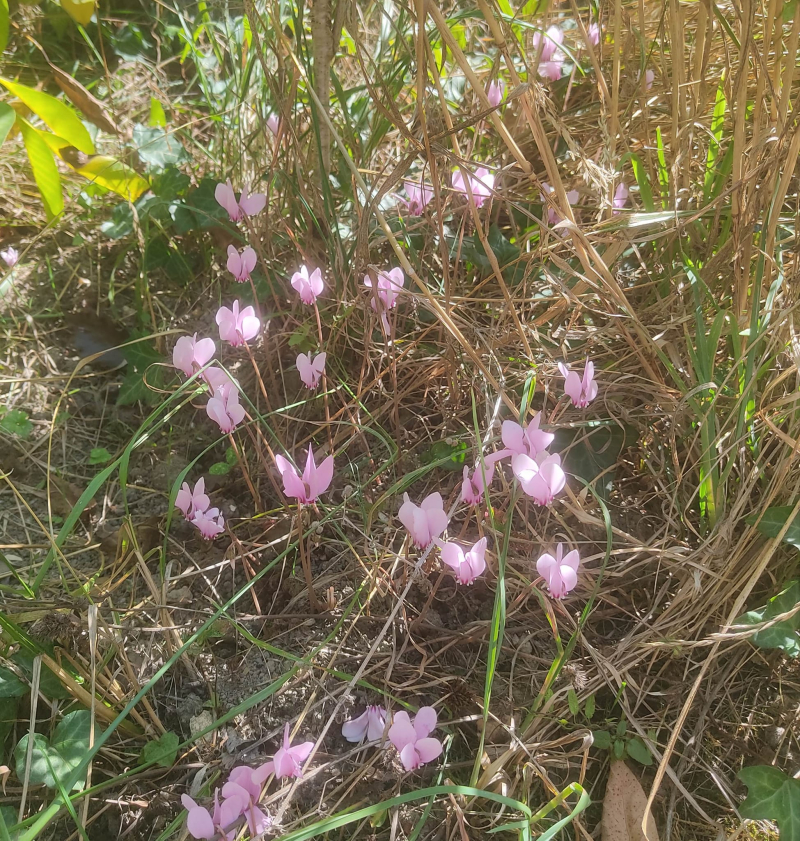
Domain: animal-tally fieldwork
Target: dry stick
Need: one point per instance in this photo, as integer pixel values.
(615, 72)
(407, 267)
(245, 472)
(305, 562)
(324, 381)
(764, 560)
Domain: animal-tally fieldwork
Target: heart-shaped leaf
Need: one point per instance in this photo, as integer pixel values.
(52, 761)
(774, 520)
(625, 808)
(10, 685)
(772, 796)
(162, 751)
(16, 422)
(782, 635)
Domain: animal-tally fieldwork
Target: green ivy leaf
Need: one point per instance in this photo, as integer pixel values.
(638, 750)
(99, 455)
(773, 521)
(162, 751)
(573, 702)
(601, 739)
(772, 796)
(10, 685)
(782, 635)
(16, 423)
(52, 761)
(157, 148)
(219, 468)
(449, 455)
(49, 684)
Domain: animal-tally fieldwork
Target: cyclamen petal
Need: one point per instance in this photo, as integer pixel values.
(481, 184)
(224, 408)
(308, 286)
(467, 565)
(423, 522)
(237, 327)
(314, 481)
(419, 196)
(413, 741)
(247, 205)
(560, 573)
(311, 368)
(369, 724)
(190, 354)
(495, 91)
(530, 441)
(241, 265)
(581, 390)
(190, 501)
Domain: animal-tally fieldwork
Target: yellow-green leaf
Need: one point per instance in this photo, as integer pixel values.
(60, 118)
(7, 117)
(45, 172)
(80, 11)
(115, 176)
(3, 24)
(158, 119)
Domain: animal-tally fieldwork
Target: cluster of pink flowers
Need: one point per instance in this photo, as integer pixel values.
(413, 740)
(194, 504)
(551, 57)
(241, 795)
(385, 292)
(539, 474)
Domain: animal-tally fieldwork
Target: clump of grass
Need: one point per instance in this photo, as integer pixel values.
(683, 299)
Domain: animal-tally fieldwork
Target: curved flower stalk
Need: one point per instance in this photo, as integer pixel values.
(190, 354)
(425, 521)
(560, 573)
(370, 725)
(581, 390)
(413, 741)
(467, 565)
(247, 205)
(308, 286)
(287, 761)
(240, 265)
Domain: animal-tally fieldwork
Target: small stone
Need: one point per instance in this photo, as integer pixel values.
(199, 722)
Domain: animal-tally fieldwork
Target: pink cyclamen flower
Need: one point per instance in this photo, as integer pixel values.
(370, 723)
(10, 256)
(286, 762)
(620, 198)
(530, 440)
(649, 78)
(189, 501)
(247, 205)
(242, 785)
(240, 265)
(217, 378)
(472, 487)
(387, 291)
(419, 196)
(481, 184)
(550, 41)
(541, 478)
(311, 368)
(204, 824)
(593, 33)
(581, 390)
(314, 481)
(553, 216)
(413, 740)
(495, 91)
(467, 565)
(273, 123)
(425, 521)
(237, 327)
(189, 355)
(560, 574)
(309, 286)
(224, 408)
(210, 523)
